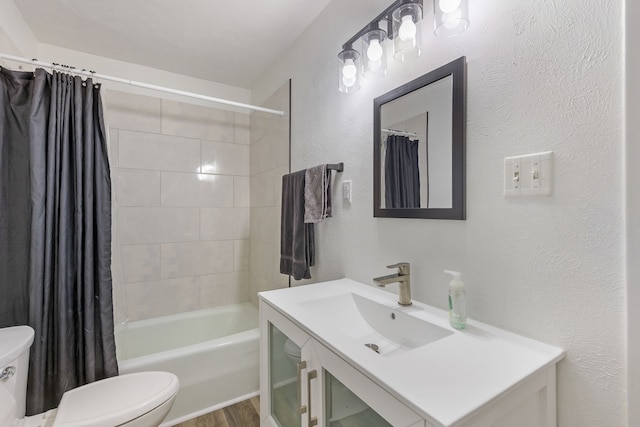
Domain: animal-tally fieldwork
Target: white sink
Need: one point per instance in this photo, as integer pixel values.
(386, 328)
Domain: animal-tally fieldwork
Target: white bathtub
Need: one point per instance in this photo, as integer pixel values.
(214, 353)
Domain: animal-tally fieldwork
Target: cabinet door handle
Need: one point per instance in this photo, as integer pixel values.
(301, 408)
(310, 376)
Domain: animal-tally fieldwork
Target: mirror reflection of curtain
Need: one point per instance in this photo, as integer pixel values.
(401, 172)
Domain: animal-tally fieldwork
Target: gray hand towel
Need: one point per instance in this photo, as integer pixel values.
(317, 194)
(297, 239)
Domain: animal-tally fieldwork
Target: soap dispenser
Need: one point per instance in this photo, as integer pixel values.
(457, 311)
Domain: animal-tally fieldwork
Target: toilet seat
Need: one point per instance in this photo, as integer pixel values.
(115, 401)
(291, 349)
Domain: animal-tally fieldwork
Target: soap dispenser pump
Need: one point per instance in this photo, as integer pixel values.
(457, 311)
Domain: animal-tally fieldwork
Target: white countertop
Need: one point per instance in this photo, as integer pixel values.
(444, 381)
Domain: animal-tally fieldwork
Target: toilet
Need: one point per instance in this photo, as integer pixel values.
(292, 351)
(141, 399)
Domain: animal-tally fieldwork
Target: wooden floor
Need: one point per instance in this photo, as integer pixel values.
(242, 414)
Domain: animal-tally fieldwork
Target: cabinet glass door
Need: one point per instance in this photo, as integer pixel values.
(283, 358)
(345, 409)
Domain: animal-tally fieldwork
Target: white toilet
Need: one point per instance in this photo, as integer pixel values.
(292, 351)
(133, 400)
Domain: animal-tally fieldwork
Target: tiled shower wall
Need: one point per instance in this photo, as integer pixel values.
(181, 205)
(269, 161)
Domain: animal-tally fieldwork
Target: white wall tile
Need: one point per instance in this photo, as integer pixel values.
(224, 223)
(266, 187)
(140, 263)
(162, 297)
(226, 159)
(265, 224)
(242, 128)
(223, 289)
(157, 225)
(269, 161)
(241, 192)
(196, 121)
(217, 257)
(256, 158)
(113, 148)
(269, 153)
(241, 255)
(259, 259)
(191, 189)
(164, 265)
(140, 150)
(132, 112)
(117, 273)
(257, 283)
(180, 259)
(135, 187)
(119, 304)
(277, 148)
(264, 123)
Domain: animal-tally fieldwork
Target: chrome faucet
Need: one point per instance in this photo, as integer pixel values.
(402, 277)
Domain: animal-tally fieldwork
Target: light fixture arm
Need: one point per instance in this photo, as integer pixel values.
(382, 21)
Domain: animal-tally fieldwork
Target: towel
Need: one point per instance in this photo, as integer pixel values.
(297, 239)
(317, 194)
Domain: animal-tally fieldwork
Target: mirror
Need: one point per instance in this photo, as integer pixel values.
(419, 147)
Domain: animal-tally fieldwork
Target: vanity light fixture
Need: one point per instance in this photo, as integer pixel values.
(348, 77)
(450, 17)
(400, 22)
(374, 63)
(406, 31)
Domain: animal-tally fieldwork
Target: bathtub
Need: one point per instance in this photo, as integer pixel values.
(214, 353)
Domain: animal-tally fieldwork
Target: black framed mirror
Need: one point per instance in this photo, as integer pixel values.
(419, 147)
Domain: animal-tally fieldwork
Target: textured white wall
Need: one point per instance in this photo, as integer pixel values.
(632, 154)
(542, 75)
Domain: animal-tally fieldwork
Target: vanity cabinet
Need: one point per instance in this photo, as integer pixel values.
(319, 388)
(316, 368)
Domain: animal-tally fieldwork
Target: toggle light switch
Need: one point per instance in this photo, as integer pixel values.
(528, 175)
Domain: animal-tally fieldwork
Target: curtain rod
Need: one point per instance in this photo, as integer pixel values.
(92, 74)
(400, 132)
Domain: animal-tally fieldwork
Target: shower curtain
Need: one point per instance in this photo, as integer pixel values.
(402, 173)
(55, 230)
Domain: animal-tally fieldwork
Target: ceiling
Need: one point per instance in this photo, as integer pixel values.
(231, 42)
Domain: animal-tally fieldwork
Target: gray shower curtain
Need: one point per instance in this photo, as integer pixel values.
(401, 173)
(55, 230)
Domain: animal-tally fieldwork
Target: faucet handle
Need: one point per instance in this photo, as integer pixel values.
(403, 267)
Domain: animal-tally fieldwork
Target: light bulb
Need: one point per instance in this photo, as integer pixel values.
(407, 30)
(374, 52)
(451, 20)
(349, 71)
(374, 65)
(348, 81)
(447, 6)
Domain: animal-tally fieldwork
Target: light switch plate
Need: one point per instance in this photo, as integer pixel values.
(528, 175)
(346, 190)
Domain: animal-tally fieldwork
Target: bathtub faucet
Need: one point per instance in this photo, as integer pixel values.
(402, 277)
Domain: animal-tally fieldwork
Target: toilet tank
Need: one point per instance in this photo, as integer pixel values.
(15, 343)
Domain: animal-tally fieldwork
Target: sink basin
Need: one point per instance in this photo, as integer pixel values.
(386, 329)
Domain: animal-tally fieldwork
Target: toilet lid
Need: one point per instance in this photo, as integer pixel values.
(14, 341)
(114, 401)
